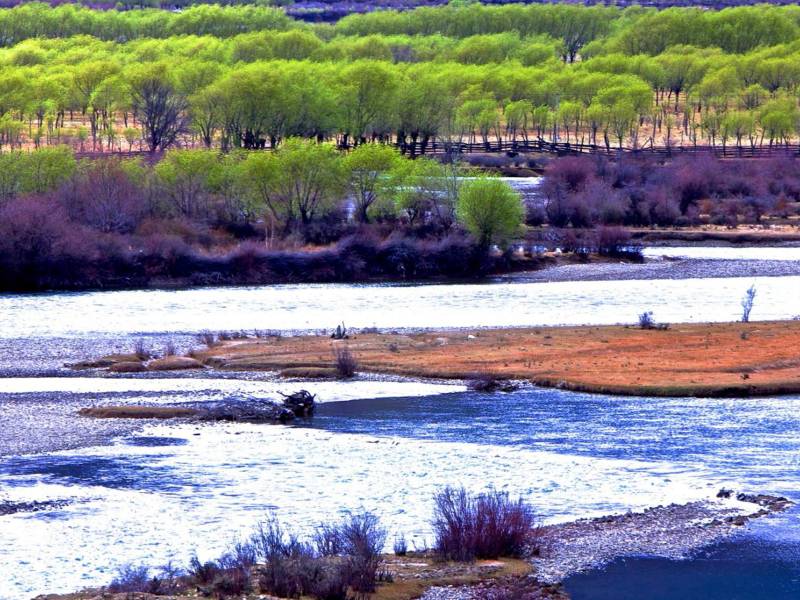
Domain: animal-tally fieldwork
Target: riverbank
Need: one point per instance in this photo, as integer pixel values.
(725, 359)
(562, 550)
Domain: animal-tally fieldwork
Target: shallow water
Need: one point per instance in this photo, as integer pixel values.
(153, 492)
(172, 489)
(315, 307)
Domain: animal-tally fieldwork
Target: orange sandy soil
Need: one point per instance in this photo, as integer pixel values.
(727, 359)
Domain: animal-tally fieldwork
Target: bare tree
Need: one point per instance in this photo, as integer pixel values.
(161, 110)
(747, 303)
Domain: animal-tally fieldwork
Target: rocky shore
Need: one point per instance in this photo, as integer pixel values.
(673, 531)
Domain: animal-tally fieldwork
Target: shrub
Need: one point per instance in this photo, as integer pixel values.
(344, 362)
(646, 320)
(747, 303)
(362, 541)
(207, 337)
(203, 573)
(400, 547)
(131, 578)
(343, 555)
(141, 351)
(488, 525)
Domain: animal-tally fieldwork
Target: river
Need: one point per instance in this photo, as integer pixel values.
(148, 494)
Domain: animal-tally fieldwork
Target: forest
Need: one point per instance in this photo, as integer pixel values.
(250, 76)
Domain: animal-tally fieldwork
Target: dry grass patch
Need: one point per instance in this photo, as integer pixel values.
(725, 359)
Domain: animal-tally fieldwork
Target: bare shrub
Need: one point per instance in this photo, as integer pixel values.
(363, 540)
(169, 349)
(342, 555)
(203, 573)
(224, 336)
(344, 362)
(207, 337)
(234, 576)
(400, 547)
(130, 578)
(141, 351)
(646, 320)
(487, 525)
(747, 303)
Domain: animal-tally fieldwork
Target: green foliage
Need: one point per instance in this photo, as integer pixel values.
(490, 210)
(376, 172)
(250, 77)
(35, 172)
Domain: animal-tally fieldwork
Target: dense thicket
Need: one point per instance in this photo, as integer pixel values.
(200, 217)
(249, 77)
(582, 192)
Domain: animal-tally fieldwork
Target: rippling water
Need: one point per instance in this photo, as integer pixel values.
(159, 493)
(314, 307)
(172, 489)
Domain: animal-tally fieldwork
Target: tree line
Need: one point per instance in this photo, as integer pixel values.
(150, 80)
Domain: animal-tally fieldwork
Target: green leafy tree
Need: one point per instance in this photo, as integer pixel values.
(375, 173)
(490, 210)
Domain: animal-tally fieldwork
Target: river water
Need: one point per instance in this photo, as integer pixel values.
(159, 492)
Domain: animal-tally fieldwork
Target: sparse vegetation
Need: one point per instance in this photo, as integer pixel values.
(344, 361)
(747, 303)
(485, 525)
(400, 547)
(690, 360)
(141, 351)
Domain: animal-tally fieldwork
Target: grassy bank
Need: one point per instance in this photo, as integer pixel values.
(726, 359)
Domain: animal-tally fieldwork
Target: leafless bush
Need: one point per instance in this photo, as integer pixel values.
(203, 573)
(400, 545)
(224, 336)
(488, 525)
(344, 362)
(131, 578)
(206, 337)
(747, 303)
(140, 350)
(235, 568)
(267, 333)
(646, 321)
(363, 540)
(342, 555)
(169, 349)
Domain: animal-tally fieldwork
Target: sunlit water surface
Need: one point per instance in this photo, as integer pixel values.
(171, 490)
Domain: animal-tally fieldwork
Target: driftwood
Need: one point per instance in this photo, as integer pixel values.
(250, 411)
(340, 333)
(301, 403)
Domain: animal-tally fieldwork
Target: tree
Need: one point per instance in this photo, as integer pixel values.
(186, 176)
(490, 210)
(161, 110)
(375, 171)
(295, 183)
(367, 99)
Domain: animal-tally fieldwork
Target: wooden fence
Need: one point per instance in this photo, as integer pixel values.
(567, 149)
